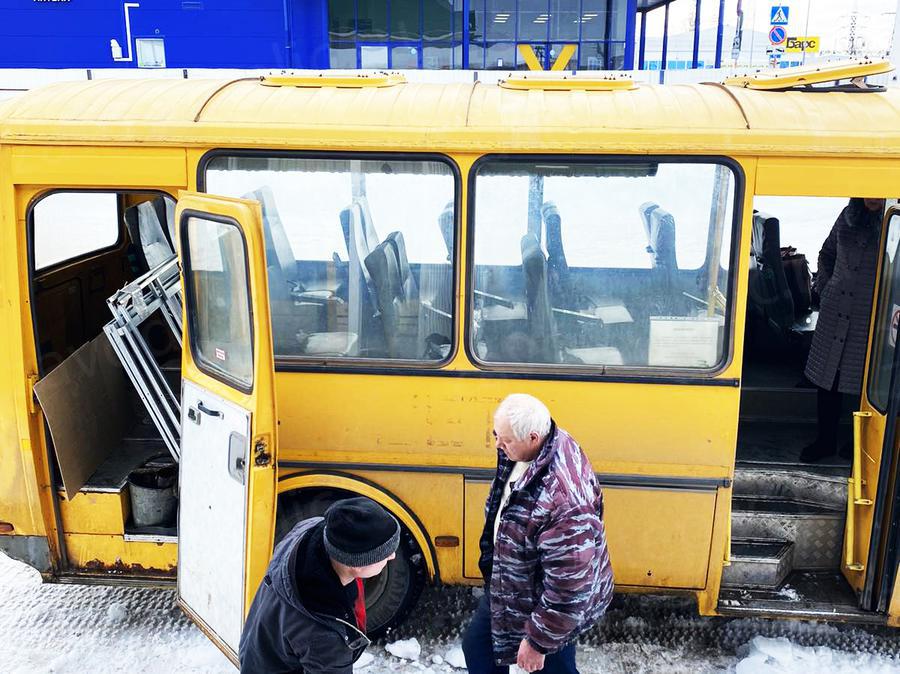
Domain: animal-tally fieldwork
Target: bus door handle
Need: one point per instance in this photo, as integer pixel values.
(213, 413)
(854, 494)
(237, 445)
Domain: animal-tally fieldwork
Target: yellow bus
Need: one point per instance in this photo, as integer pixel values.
(366, 266)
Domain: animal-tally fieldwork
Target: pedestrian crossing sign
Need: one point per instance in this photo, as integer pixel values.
(780, 15)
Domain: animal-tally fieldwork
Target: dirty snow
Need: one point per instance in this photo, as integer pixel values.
(75, 628)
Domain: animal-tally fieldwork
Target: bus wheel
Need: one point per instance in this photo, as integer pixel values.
(390, 595)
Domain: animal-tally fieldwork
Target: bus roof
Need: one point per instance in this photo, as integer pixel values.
(461, 117)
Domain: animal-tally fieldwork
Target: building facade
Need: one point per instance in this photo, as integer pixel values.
(397, 34)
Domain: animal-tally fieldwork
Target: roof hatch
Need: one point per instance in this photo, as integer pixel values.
(806, 77)
(557, 81)
(331, 78)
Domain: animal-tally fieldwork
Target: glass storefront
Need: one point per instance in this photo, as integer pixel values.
(436, 34)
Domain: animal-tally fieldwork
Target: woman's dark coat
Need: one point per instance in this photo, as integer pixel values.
(846, 280)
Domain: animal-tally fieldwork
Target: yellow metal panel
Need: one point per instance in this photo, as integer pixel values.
(659, 538)
(95, 513)
(99, 553)
(98, 167)
(827, 177)
(649, 545)
(454, 117)
(447, 421)
(476, 497)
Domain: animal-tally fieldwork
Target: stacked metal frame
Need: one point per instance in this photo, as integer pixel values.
(157, 290)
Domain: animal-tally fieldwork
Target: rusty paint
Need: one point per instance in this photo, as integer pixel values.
(6, 528)
(119, 568)
(446, 541)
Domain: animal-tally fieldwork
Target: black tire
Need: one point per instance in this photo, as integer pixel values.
(392, 594)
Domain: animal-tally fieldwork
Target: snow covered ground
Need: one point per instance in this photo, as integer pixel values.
(74, 628)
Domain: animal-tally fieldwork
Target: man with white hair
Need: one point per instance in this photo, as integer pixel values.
(543, 549)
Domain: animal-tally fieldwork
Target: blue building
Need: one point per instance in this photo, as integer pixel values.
(434, 34)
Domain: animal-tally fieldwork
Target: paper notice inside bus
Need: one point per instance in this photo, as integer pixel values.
(683, 341)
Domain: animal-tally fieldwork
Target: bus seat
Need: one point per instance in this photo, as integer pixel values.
(537, 298)
(398, 311)
(769, 294)
(659, 229)
(541, 322)
(557, 267)
(147, 233)
(362, 297)
(282, 272)
(436, 289)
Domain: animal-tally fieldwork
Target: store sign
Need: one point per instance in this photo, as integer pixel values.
(798, 44)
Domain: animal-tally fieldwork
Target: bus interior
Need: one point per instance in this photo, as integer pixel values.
(86, 248)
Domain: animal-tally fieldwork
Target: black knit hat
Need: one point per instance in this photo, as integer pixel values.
(359, 532)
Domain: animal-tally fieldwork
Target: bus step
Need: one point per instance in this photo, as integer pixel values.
(758, 563)
(818, 484)
(816, 530)
(783, 404)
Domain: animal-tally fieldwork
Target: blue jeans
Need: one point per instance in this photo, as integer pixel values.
(479, 653)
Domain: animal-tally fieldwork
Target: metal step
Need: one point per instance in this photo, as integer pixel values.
(761, 403)
(758, 563)
(821, 485)
(816, 530)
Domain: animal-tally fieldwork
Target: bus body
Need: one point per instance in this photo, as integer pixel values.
(369, 266)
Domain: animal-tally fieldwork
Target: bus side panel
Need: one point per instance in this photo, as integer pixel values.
(637, 436)
(20, 503)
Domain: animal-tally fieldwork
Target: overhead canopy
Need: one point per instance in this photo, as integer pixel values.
(647, 5)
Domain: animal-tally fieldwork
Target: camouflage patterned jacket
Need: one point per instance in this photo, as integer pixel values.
(549, 575)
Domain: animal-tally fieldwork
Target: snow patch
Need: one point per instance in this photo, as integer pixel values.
(780, 655)
(116, 613)
(408, 649)
(364, 661)
(455, 658)
(789, 593)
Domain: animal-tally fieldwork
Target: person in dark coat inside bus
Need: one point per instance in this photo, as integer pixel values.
(309, 614)
(845, 283)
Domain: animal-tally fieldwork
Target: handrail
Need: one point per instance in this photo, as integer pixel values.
(854, 494)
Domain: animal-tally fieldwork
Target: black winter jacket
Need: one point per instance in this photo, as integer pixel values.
(282, 635)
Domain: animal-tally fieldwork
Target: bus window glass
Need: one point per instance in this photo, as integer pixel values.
(603, 265)
(884, 341)
(219, 306)
(68, 225)
(359, 252)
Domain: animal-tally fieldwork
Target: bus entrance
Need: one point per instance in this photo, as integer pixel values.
(807, 536)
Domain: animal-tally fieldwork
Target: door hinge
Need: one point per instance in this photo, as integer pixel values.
(33, 404)
(261, 456)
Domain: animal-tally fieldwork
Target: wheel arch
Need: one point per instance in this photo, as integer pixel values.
(327, 479)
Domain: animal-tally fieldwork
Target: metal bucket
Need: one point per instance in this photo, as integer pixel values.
(153, 501)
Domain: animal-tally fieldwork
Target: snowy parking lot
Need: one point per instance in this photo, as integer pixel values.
(77, 628)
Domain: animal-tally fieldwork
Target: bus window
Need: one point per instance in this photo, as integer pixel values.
(359, 254)
(68, 225)
(602, 264)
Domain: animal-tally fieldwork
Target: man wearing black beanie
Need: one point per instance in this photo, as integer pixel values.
(309, 612)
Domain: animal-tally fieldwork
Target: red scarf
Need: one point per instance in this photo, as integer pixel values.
(359, 606)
